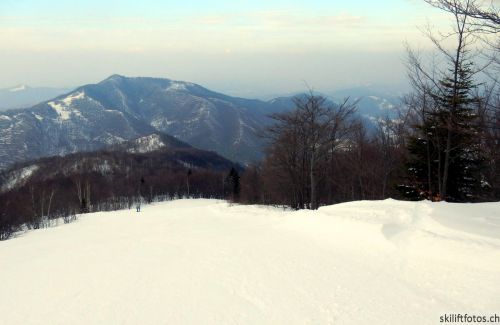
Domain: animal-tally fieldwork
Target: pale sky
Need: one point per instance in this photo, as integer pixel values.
(252, 47)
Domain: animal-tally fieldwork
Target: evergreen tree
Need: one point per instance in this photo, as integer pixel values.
(188, 175)
(234, 180)
(446, 159)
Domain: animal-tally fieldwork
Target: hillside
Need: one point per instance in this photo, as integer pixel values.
(203, 261)
(154, 153)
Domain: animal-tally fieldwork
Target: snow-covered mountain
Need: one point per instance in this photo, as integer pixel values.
(120, 108)
(373, 103)
(25, 96)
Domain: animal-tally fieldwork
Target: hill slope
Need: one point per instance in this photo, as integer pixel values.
(204, 262)
(152, 155)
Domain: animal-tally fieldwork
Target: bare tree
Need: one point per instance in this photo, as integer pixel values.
(83, 193)
(485, 15)
(303, 140)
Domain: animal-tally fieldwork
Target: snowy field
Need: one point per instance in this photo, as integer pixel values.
(205, 262)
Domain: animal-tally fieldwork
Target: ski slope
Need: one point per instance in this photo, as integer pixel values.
(206, 262)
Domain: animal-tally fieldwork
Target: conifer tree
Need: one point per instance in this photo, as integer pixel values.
(449, 138)
(234, 180)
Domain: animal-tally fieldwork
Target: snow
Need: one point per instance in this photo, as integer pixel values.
(383, 103)
(241, 126)
(63, 107)
(18, 88)
(109, 138)
(162, 122)
(206, 262)
(18, 177)
(69, 99)
(176, 86)
(146, 144)
(113, 111)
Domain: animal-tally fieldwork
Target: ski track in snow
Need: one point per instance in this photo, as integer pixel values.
(206, 262)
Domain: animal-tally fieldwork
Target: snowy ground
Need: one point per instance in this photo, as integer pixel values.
(204, 262)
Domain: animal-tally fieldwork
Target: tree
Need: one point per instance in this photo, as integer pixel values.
(83, 194)
(234, 181)
(485, 18)
(445, 146)
(189, 173)
(251, 185)
(302, 142)
(7, 222)
(389, 141)
(452, 133)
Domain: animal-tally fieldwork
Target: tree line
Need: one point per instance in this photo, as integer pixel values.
(444, 144)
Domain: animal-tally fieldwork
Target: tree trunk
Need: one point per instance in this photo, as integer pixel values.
(313, 184)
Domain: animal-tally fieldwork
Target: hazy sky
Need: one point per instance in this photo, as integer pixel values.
(252, 47)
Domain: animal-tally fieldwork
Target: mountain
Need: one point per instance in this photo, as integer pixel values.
(120, 108)
(373, 102)
(25, 96)
(146, 155)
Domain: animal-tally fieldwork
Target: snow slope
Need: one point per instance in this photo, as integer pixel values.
(205, 262)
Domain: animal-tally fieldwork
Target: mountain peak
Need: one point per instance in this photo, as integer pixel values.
(114, 77)
(18, 88)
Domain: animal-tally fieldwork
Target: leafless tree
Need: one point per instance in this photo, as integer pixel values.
(484, 15)
(82, 188)
(304, 139)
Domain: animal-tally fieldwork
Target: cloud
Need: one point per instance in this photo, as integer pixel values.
(241, 32)
(212, 20)
(280, 19)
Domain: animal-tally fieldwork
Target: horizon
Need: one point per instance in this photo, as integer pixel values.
(330, 93)
(242, 48)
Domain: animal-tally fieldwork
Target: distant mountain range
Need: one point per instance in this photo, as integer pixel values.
(119, 109)
(24, 96)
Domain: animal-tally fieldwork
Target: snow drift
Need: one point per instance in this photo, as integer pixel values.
(206, 262)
